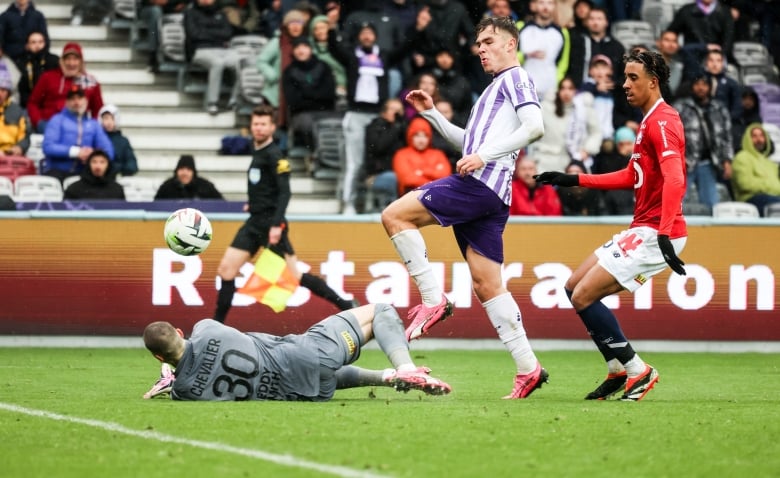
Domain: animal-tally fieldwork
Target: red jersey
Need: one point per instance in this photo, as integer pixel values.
(656, 171)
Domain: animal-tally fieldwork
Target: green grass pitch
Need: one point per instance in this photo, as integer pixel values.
(79, 413)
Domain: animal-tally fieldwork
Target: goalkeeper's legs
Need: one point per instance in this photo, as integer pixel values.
(381, 322)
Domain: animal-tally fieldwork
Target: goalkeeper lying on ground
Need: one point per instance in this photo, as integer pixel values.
(220, 363)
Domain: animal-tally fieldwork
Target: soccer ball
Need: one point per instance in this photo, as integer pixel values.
(187, 232)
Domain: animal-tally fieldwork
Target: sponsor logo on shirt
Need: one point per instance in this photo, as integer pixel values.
(640, 279)
(662, 125)
(520, 85)
(350, 343)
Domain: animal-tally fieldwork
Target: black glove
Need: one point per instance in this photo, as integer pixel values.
(558, 179)
(669, 255)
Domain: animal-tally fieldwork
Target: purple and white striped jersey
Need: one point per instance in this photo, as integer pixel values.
(494, 116)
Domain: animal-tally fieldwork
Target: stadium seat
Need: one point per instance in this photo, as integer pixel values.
(69, 180)
(138, 188)
(6, 186)
(768, 92)
(756, 74)
(658, 14)
(772, 210)
(773, 131)
(723, 192)
(37, 188)
(751, 53)
(250, 86)
(732, 71)
(633, 32)
(126, 9)
(172, 57)
(248, 46)
(696, 209)
(329, 148)
(125, 17)
(750, 79)
(14, 166)
(692, 194)
(770, 113)
(375, 201)
(35, 151)
(676, 4)
(735, 209)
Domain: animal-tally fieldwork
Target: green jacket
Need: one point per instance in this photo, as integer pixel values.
(753, 171)
(321, 51)
(269, 64)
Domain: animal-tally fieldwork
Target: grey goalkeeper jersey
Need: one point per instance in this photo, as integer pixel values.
(221, 363)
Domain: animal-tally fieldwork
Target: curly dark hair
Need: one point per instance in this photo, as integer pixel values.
(654, 65)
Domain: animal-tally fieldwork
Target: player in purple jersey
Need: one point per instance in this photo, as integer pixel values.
(475, 201)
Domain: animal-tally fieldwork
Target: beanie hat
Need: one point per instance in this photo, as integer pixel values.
(577, 163)
(75, 90)
(365, 25)
(600, 59)
(186, 161)
(313, 23)
(624, 133)
(318, 19)
(301, 40)
(5, 78)
(72, 48)
(293, 16)
(113, 111)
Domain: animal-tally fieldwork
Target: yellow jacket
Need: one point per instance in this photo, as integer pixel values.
(14, 126)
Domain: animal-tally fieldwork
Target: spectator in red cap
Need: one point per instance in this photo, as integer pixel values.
(48, 96)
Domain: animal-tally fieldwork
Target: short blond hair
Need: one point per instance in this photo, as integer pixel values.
(161, 339)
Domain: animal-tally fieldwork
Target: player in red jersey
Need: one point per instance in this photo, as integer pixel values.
(657, 233)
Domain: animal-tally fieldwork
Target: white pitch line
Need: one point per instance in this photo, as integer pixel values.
(286, 460)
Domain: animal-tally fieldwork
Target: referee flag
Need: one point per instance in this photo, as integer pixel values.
(272, 282)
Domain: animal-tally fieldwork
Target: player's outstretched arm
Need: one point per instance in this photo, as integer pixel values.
(453, 134)
(558, 179)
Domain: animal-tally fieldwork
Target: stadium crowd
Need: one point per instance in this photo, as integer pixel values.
(353, 60)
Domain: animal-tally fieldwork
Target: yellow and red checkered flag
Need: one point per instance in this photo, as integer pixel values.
(272, 283)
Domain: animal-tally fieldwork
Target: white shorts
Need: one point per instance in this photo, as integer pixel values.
(633, 256)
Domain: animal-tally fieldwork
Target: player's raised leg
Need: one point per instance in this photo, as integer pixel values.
(402, 220)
